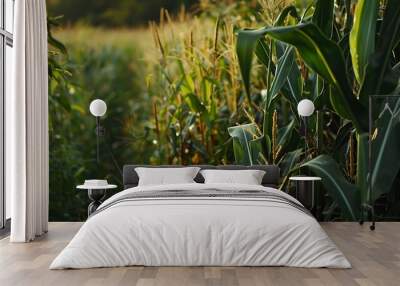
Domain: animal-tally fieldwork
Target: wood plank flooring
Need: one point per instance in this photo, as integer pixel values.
(375, 257)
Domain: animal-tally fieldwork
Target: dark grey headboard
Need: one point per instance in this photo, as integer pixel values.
(271, 178)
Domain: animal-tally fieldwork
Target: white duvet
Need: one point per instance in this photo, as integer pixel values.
(200, 231)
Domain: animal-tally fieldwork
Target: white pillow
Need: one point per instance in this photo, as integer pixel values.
(247, 177)
(166, 176)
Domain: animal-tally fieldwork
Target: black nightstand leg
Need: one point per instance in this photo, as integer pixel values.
(316, 202)
(96, 197)
(92, 207)
(313, 206)
(308, 194)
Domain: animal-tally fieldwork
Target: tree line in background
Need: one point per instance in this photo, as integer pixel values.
(116, 13)
(176, 96)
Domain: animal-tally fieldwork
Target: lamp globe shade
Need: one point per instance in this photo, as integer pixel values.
(98, 107)
(305, 108)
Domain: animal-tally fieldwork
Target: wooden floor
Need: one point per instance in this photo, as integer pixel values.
(375, 257)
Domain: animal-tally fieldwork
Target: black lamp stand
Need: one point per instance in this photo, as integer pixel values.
(305, 138)
(100, 131)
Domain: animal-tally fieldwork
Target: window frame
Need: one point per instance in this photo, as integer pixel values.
(6, 39)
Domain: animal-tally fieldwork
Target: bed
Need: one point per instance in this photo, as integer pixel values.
(197, 224)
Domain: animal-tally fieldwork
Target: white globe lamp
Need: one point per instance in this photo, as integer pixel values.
(305, 108)
(98, 107)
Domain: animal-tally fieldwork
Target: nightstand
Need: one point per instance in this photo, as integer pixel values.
(307, 194)
(96, 195)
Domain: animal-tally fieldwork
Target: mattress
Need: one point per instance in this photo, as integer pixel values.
(201, 225)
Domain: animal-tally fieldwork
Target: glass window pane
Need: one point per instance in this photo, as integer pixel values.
(1, 14)
(8, 89)
(9, 15)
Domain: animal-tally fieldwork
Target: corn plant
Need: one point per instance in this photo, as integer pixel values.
(338, 59)
(195, 88)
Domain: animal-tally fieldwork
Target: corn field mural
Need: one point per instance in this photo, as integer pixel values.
(218, 82)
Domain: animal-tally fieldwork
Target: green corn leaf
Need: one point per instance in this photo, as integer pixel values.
(293, 88)
(241, 155)
(345, 194)
(283, 70)
(321, 54)
(245, 46)
(386, 151)
(285, 134)
(380, 77)
(247, 146)
(289, 164)
(247, 43)
(263, 53)
(317, 87)
(287, 11)
(268, 144)
(362, 36)
(342, 136)
(323, 16)
(256, 150)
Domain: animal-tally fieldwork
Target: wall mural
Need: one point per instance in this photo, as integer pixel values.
(196, 86)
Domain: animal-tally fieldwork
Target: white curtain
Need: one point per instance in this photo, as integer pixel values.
(27, 124)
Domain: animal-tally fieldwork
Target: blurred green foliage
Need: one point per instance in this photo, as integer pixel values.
(108, 73)
(114, 13)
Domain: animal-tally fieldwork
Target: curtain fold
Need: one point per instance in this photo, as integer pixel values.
(27, 123)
